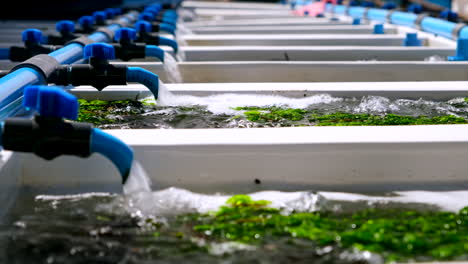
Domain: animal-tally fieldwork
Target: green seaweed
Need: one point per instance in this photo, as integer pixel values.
(345, 119)
(99, 112)
(275, 114)
(396, 234)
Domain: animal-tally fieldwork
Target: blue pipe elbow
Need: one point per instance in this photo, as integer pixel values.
(145, 77)
(377, 14)
(167, 28)
(403, 18)
(114, 149)
(438, 26)
(154, 51)
(4, 53)
(169, 42)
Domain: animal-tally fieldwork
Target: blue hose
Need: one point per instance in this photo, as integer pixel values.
(167, 28)
(147, 78)
(4, 53)
(169, 42)
(114, 149)
(154, 51)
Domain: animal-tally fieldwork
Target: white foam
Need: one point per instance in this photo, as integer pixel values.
(224, 103)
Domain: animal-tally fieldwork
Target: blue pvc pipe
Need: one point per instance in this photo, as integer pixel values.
(403, 18)
(340, 9)
(154, 51)
(145, 77)
(4, 53)
(377, 14)
(167, 28)
(12, 85)
(357, 12)
(438, 26)
(169, 42)
(114, 149)
(329, 8)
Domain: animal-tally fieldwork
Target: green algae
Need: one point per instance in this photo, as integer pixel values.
(396, 234)
(146, 114)
(276, 114)
(346, 119)
(100, 112)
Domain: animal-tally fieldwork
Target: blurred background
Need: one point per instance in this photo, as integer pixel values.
(73, 9)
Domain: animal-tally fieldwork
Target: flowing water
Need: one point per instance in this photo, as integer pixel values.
(218, 111)
(172, 69)
(145, 226)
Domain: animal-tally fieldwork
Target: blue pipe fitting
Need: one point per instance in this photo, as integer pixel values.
(146, 16)
(99, 73)
(379, 15)
(32, 35)
(65, 26)
(4, 53)
(169, 42)
(412, 40)
(49, 136)
(389, 6)
(438, 26)
(306, 13)
(403, 18)
(50, 101)
(356, 21)
(145, 77)
(114, 149)
(32, 46)
(449, 15)
(462, 50)
(101, 51)
(379, 29)
(154, 51)
(86, 23)
(100, 18)
(354, 3)
(143, 26)
(110, 12)
(357, 12)
(125, 34)
(415, 8)
(13, 84)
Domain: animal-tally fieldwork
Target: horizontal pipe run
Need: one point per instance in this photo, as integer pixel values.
(377, 14)
(12, 85)
(357, 12)
(438, 26)
(340, 9)
(403, 18)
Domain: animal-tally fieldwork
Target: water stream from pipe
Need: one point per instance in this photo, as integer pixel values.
(172, 68)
